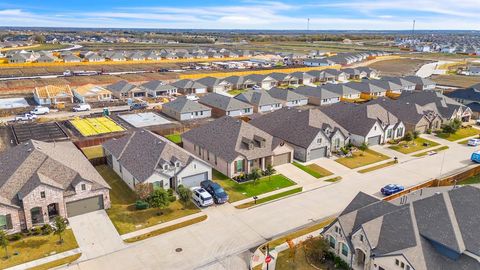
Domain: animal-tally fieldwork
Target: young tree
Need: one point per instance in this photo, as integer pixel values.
(143, 191)
(363, 147)
(159, 198)
(255, 175)
(60, 227)
(4, 242)
(408, 137)
(185, 194)
(415, 134)
(315, 249)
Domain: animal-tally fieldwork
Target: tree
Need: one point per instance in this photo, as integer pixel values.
(60, 227)
(4, 242)
(363, 147)
(159, 198)
(143, 191)
(255, 175)
(39, 38)
(408, 136)
(452, 126)
(185, 194)
(415, 134)
(315, 249)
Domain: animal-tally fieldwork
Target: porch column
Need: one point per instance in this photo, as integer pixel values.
(263, 163)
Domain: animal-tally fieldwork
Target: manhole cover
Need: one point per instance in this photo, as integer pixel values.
(178, 249)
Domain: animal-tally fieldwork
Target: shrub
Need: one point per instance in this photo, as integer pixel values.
(415, 134)
(172, 198)
(36, 231)
(185, 194)
(47, 229)
(408, 136)
(15, 237)
(429, 131)
(141, 205)
(159, 198)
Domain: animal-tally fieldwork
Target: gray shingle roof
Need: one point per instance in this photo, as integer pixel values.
(316, 92)
(156, 86)
(286, 95)
(121, 87)
(184, 105)
(223, 102)
(257, 97)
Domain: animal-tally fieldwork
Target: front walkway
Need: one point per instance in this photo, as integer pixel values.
(96, 235)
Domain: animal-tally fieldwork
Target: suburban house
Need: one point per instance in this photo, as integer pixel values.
(222, 105)
(289, 97)
(234, 147)
(261, 100)
(343, 91)
(187, 86)
(235, 82)
(39, 181)
(311, 133)
(91, 93)
(283, 79)
(126, 90)
(414, 117)
(72, 59)
(406, 85)
(158, 88)
(367, 123)
(432, 232)
(392, 89)
(421, 83)
(354, 74)
(369, 72)
(318, 62)
(94, 58)
(331, 75)
(143, 157)
(215, 85)
(318, 95)
(303, 77)
(264, 81)
(53, 95)
(368, 91)
(469, 97)
(448, 108)
(183, 109)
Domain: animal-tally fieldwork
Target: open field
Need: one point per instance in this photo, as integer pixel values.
(398, 67)
(456, 80)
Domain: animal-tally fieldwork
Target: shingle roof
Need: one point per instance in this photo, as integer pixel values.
(223, 102)
(184, 105)
(121, 87)
(467, 94)
(286, 95)
(257, 97)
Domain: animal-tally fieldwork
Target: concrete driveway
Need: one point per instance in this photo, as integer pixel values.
(96, 235)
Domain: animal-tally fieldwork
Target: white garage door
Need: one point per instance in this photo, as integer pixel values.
(374, 140)
(194, 180)
(318, 153)
(84, 206)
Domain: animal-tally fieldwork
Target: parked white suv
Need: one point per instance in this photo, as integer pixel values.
(201, 197)
(40, 110)
(82, 107)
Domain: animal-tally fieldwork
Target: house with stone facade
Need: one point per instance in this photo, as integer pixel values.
(39, 181)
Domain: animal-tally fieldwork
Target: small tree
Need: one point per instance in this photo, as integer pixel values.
(143, 191)
(452, 126)
(185, 194)
(363, 147)
(159, 198)
(255, 175)
(315, 249)
(408, 137)
(60, 227)
(4, 242)
(415, 134)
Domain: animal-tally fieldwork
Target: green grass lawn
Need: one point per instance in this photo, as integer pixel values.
(436, 150)
(236, 92)
(359, 159)
(413, 146)
(263, 185)
(270, 198)
(471, 180)
(176, 138)
(377, 167)
(313, 169)
(93, 151)
(123, 214)
(57, 263)
(460, 134)
(31, 248)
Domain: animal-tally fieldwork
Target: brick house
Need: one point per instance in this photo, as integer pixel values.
(39, 181)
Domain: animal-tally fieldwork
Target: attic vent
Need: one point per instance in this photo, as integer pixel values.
(248, 143)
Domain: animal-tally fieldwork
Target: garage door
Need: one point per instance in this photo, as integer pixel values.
(281, 159)
(374, 140)
(194, 180)
(84, 206)
(318, 152)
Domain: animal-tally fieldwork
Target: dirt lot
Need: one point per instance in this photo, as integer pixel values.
(456, 80)
(398, 67)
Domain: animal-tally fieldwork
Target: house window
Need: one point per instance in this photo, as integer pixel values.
(331, 241)
(389, 133)
(408, 267)
(157, 185)
(402, 265)
(3, 222)
(84, 187)
(344, 249)
(239, 166)
(399, 132)
(397, 262)
(208, 155)
(375, 128)
(42, 194)
(319, 140)
(361, 238)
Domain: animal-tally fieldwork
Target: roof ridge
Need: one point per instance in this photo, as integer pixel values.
(126, 145)
(454, 222)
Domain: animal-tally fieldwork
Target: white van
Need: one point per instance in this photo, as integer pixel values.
(82, 107)
(40, 110)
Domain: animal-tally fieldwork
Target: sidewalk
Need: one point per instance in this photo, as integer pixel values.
(48, 259)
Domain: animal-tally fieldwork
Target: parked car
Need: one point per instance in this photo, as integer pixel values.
(391, 189)
(40, 110)
(201, 197)
(82, 107)
(26, 117)
(473, 142)
(475, 157)
(219, 195)
(139, 106)
(256, 87)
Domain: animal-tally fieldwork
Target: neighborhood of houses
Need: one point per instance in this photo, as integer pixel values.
(469, 45)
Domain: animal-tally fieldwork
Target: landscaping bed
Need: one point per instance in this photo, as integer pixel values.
(123, 213)
(415, 145)
(33, 247)
(361, 158)
(461, 133)
(237, 191)
(313, 169)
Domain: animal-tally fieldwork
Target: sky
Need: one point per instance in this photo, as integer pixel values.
(245, 14)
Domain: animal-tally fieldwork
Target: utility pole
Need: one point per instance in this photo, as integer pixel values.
(308, 24)
(413, 29)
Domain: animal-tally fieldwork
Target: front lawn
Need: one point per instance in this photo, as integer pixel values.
(471, 180)
(460, 134)
(34, 247)
(242, 191)
(123, 214)
(313, 169)
(413, 146)
(236, 92)
(360, 159)
(175, 138)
